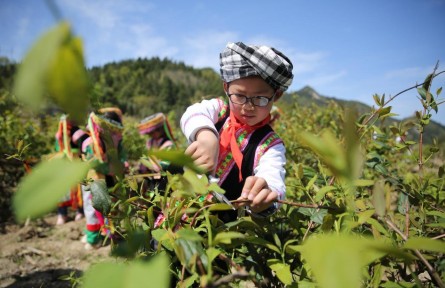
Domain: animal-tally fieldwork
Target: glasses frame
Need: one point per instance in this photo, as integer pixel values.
(250, 99)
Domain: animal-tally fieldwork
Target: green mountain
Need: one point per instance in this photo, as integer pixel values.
(308, 96)
(141, 87)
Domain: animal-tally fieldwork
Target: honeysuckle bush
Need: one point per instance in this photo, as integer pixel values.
(363, 209)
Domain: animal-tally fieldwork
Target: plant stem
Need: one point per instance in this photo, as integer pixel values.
(430, 268)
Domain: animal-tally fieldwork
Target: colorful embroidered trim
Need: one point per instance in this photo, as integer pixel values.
(270, 140)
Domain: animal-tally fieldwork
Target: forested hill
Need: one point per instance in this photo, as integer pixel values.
(144, 86)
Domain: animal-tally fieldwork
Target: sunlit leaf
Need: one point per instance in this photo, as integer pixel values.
(129, 275)
(177, 158)
(365, 215)
(55, 65)
(322, 192)
(198, 184)
(227, 237)
(282, 270)
(67, 79)
(41, 191)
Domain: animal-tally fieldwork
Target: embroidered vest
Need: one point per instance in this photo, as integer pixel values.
(253, 145)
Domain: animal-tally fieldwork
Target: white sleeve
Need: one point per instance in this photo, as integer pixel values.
(271, 168)
(200, 115)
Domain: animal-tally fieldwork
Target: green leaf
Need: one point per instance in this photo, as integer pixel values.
(365, 215)
(422, 243)
(337, 260)
(55, 65)
(322, 192)
(100, 197)
(363, 182)
(422, 92)
(187, 251)
(30, 81)
(198, 184)
(189, 234)
(329, 150)
(282, 270)
(227, 237)
(377, 99)
(67, 79)
(378, 198)
(177, 158)
(220, 207)
(262, 242)
(40, 192)
(439, 90)
(129, 275)
(384, 111)
(376, 225)
(212, 253)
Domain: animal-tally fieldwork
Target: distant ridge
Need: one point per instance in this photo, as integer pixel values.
(307, 96)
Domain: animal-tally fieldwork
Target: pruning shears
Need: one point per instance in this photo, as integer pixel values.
(220, 197)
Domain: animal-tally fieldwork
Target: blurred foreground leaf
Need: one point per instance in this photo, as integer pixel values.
(40, 191)
(54, 66)
(155, 272)
(337, 260)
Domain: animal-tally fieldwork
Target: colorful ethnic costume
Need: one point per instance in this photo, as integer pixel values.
(161, 137)
(244, 150)
(69, 139)
(105, 146)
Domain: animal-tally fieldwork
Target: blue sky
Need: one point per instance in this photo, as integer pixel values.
(344, 49)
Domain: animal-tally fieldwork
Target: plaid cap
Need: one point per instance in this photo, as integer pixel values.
(239, 60)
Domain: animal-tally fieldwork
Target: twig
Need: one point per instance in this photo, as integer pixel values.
(439, 237)
(230, 278)
(430, 268)
(393, 97)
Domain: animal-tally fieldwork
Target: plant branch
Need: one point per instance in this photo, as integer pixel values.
(396, 95)
(430, 268)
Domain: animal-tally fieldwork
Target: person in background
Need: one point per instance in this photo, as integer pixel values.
(160, 136)
(231, 137)
(105, 146)
(69, 138)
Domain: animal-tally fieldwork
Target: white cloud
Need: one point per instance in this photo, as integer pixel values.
(202, 50)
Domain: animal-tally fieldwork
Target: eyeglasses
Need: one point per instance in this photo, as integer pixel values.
(260, 101)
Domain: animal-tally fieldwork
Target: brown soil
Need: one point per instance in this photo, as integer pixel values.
(40, 253)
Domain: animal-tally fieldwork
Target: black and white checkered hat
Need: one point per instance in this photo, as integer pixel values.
(239, 60)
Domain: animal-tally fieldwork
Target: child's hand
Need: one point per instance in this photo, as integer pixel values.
(204, 150)
(256, 190)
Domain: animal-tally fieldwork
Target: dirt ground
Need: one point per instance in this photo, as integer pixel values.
(39, 253)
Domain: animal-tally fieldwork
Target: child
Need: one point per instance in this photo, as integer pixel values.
(105, 146)
(69, 138)
(231, 136)
(156, 126)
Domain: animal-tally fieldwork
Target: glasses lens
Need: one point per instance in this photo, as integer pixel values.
(260, 101)
(238, 99)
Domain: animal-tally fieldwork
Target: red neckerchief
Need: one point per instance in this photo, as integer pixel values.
(228, 138)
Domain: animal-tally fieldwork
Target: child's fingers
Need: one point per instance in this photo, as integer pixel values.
(253, 186)
(191, 149)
